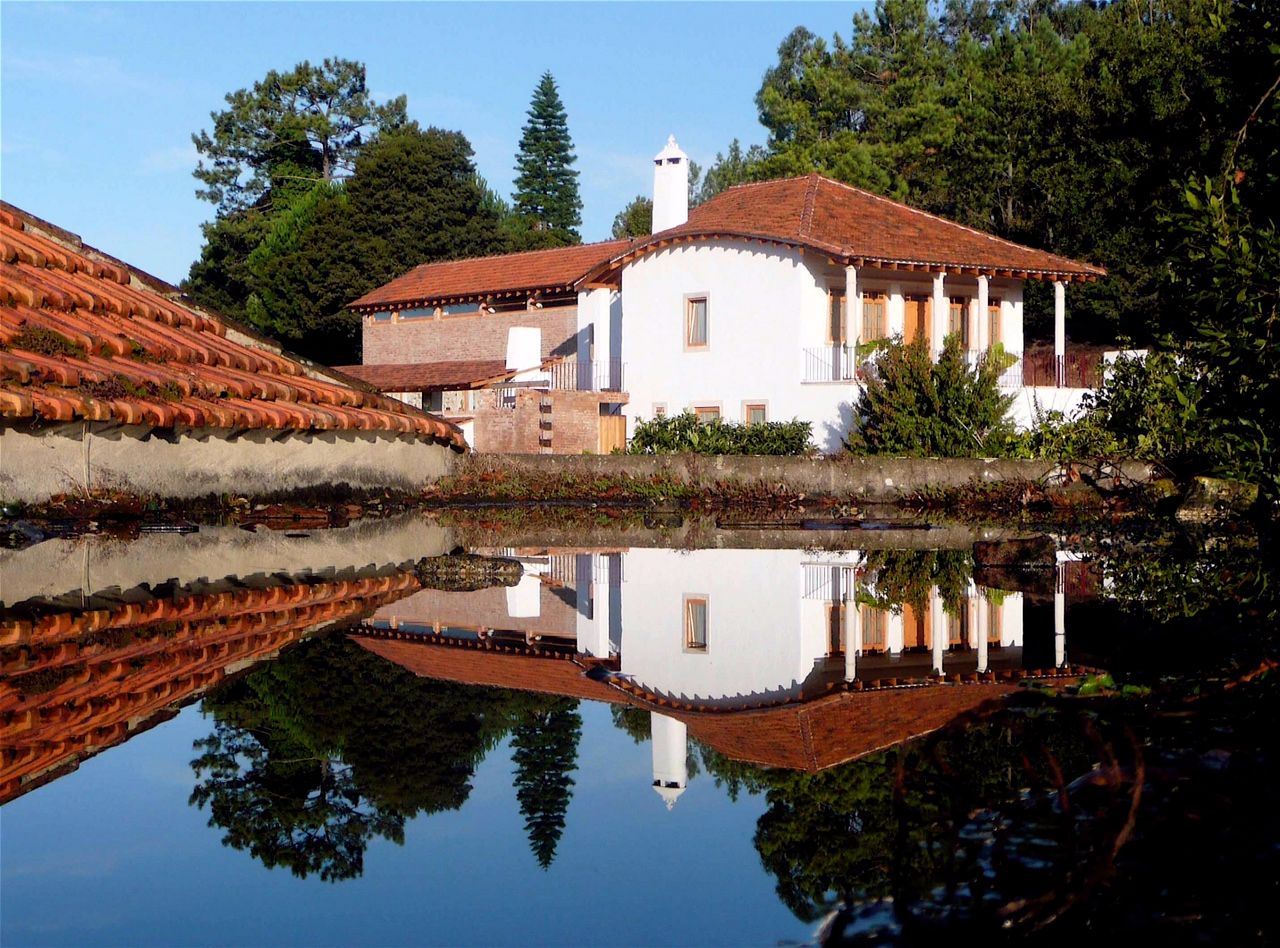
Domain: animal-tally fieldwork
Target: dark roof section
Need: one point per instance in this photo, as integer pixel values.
(429, 376)
(87, 337)
(851, 227)
(512, 275)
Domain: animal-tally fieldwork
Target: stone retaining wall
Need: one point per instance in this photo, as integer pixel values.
(873, 480)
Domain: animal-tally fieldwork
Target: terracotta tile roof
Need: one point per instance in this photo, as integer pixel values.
(84, 336)
(853, 226)
(74, 684)
(506, 275)
(803, 734)
(428, 376)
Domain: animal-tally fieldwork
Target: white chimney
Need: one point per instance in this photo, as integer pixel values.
(524, 347)
(670, 187)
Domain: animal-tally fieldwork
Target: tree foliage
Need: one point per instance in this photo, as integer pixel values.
(634, 220)
(290, 130)
(546, 198)
(912, 406)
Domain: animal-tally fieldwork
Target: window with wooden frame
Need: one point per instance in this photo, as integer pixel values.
(695, 623)
(835, 628)
(755, 413)
(874, 317)
(958, 626)
(995, 621)
(706, 413)
(958, 319)
(837, 318)
(697, 329)
(659, 409)
(993, 320)
(875, 625)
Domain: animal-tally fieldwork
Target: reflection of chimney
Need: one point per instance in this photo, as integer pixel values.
(524, 347)
(670, 187)
(670, 757)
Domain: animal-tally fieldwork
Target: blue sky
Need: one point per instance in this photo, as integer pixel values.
(99, 101)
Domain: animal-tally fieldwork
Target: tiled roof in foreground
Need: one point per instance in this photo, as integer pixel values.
(82, 336)
(852, 226)
(507, 275)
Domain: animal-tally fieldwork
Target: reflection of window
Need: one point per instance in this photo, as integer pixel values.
(873, 319)
(754, 413)
(875, 622)
(695, 323)
(995, 627)
(835, 628)
(695, 623)
(706, 413)
(958, 626)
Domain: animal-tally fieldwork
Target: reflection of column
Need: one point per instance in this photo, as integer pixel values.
(670, 757)
(938, 623)
(982, 622)
(593, 609)
(894, 633)
(614, 599)
(852, 640)
(1060, 616)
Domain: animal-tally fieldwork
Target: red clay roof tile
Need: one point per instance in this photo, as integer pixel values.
(427, 376)
(94, 321)
(512, 274)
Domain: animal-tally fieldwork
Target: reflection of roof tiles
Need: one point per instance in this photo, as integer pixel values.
(112, 347)
(428, 376)
(512, 274)
(75, 684)
(852, 225)
(842, 723)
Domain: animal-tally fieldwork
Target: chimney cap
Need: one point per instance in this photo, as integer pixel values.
(671, 151)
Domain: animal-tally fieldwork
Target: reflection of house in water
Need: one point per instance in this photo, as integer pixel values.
(100, 641)
(776, 657)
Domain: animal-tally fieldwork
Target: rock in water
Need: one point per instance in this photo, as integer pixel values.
(467, 572)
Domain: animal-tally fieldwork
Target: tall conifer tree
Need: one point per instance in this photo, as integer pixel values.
(546, 198)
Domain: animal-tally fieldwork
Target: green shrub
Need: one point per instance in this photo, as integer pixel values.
(683, 433)
(915, 407)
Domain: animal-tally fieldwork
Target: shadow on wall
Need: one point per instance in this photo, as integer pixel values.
(833, 434)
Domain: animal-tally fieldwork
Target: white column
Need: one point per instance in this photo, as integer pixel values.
(941, 313)
(897, 316)
(1060, 617)
(1060, 330)
(982, 620)
(983, 340)
(853, 305)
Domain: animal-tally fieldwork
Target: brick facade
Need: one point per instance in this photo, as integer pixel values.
(541, 421)
(449, 338)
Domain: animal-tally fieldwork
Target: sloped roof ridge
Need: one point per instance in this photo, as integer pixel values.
(519, 253)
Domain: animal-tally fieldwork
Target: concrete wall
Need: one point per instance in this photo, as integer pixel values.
(871, 479)
(464, 338)
(37, 462)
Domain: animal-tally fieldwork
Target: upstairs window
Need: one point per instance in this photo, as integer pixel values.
(993, 320)
(837, 319)
(696, 330)
(957, 324)
(874, 325)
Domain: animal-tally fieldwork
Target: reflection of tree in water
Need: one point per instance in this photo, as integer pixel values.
(329, 747)
(1139, 810)
(906, 577)
(545, 743)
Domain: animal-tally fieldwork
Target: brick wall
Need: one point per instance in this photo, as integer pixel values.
(464, 338)
(570, 427)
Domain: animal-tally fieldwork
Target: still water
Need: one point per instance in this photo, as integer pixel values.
(591, 737)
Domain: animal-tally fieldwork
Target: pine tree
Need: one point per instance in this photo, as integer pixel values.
(545, 754)
(546, 184)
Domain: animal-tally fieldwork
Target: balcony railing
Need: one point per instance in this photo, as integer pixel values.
(1073, 370)
(835, 363)
(601, 376)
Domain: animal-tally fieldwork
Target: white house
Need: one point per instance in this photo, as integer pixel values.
(752, 305)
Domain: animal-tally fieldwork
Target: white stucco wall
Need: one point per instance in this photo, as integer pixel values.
(766, 306)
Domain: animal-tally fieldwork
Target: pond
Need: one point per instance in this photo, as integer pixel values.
(673, 733)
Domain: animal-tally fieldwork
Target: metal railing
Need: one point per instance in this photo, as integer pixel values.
(571, 375)
(1073, 370)
(834, 363)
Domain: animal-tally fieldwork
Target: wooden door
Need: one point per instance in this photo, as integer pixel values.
(613, 433)
(915, 318)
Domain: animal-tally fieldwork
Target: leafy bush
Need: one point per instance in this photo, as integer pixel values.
(683, 433)
(915, 407)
